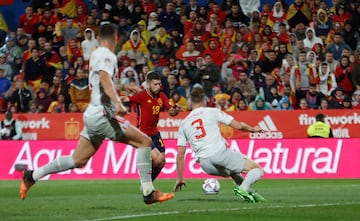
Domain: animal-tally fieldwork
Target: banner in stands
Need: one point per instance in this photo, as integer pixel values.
(278, 124)
(280, 158)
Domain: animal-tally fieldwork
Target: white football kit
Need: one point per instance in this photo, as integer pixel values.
(201, 129)
(100, 120)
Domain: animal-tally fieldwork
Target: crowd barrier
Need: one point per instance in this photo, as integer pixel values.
(280, 158)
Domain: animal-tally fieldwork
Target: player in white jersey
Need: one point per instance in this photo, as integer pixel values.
(103, 119)
(200, 129)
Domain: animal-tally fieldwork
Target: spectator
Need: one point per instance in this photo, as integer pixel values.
(303, 105)
(169, 19)
(105, 17)
(144, 32)
(347, 102)
(298, 12)
(58, 105)
(356, 99)
(242, 105)
(329, 59)
(73, 108)
(79, 90)
(343, 75)
(33, 108)
(269, 83)
(235, 96)
(178, 101)
(119, 10)
(337, 46)
(186, 86)
(319, 129)
(5, 85)
(313, 96)
(90, 22)
(42, 100)
(70, 31)
(148, 6)
(21, 97)
(192, 7)
(28, 20)
(208, 75)
(213, 25)
(259, 104)
(284, 104)
(51, 59)
(89, 44)
(152, 23)
(323, 25)
(302, 74)
(198, 35)
(5, 67)
(336, 99)
(187, 52)
(351, 36)
(277, 16)
(10, 129)
(35, 70)
(246, 86)
(135, 48)
(74, 51)
(172, 85)
(327, 79)
(311, 39)
(273, 97)
(300, 47)
(324, 104)
(271, 62)
(214, 51)
(222, 102)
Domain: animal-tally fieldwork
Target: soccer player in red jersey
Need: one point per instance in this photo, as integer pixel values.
(149, 103)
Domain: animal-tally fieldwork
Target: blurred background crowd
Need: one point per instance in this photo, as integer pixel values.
(247, 55)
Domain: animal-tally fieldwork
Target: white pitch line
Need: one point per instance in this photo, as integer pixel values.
(221, 210)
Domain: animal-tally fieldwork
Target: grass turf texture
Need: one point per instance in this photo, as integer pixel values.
(121, 200)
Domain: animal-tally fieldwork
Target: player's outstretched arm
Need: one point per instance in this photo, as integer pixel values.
(245, 127)
(180, 168)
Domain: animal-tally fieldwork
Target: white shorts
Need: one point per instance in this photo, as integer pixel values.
(97, 126)
(223, 163)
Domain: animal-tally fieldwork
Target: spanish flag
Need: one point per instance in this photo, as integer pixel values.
(68, 8)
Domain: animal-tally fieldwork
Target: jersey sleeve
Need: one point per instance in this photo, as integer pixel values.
(224, 117)
(104, 63)
(165, 100)
(136, 98)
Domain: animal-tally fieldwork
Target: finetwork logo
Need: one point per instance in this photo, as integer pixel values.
(271, 131)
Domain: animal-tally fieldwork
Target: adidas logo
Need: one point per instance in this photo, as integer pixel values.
(271, 131)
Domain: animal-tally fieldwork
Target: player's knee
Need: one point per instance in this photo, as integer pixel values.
(146, 141)
(158, 162)
(80, 163)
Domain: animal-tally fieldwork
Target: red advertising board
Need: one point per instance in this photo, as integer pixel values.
(278, 124)
(280, 158)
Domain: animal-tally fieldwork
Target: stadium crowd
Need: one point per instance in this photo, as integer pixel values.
(303, 55)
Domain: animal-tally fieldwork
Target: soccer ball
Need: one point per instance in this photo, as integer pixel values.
(211, 186)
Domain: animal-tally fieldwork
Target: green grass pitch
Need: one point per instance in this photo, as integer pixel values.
(103, 200)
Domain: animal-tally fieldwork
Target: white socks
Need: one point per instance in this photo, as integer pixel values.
(144, 165)
(58, 165)
(251, 177)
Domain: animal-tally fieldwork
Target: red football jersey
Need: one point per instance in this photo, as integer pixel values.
(148, 109)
